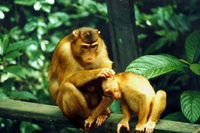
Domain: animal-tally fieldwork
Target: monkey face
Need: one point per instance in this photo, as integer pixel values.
(113, 94)
(85, 45)
(89, 52)
(111, 88)
(85, 53)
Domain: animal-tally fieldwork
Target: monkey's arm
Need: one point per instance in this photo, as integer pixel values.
(80, 78)
(126, 115)
(105, 103)
(125, 109)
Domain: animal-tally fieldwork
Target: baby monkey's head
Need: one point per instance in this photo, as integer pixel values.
(111, 88)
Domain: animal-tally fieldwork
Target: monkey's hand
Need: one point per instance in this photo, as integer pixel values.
(106, 73)
(123, 123)
(88, 123)
(102, 118)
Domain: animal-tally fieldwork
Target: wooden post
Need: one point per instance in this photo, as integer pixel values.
(123, 32)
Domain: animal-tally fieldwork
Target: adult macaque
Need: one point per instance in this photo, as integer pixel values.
(78, 60)
(136, 94)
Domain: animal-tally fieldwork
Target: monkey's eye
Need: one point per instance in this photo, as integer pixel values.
(85, 47)
(108, 93)
(93, 46)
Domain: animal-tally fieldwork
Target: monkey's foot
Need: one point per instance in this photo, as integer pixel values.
(102, 118)
(149, 127)
(139, 128)
(123, 123)
(88, 123)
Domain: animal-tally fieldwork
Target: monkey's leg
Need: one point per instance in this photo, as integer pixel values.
(53, 83)
(72, 102)
(105, 103)
(144, 108)
(158, 106)
(126, 116)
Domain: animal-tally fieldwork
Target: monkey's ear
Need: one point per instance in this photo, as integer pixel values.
(99, 32)
(76, 33)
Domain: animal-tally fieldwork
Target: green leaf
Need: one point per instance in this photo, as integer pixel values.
(23, 95)
(177, 116)
(151, 66)
(20, 45)
(16, 70)
(25, 2)
(29, 127)
(195, 68)
(2, 15)
(190, 105)
(4, 8)
(7, 85)
(4, 44)
(156, 45)
(3, 96)
(192, 46)
(12, 55)
(46, 8)
(30, 27)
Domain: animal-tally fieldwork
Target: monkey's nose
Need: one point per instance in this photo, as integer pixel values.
(89, 58)
(117, 96)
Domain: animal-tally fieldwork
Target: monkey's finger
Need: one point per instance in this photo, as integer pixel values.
(118, 128)
(149, 130)
(98, 124)
(128, 128)
(112, 72)
(86, 126)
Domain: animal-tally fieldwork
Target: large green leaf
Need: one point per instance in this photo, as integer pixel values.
(190, 105)
(192, 46)
(20, 45)
(16, 70)
(151, 66)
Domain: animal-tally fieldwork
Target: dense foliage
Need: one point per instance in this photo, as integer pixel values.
(31, 29)
(152, 66)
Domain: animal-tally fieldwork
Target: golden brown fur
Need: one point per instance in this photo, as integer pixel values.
(78, 59)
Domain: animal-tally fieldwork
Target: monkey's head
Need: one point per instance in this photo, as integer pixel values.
(86, 45)
(111, 88)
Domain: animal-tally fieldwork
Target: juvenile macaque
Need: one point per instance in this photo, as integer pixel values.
(136, 94)
(78, 61)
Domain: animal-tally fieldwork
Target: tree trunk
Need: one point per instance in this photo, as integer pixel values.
(123, 32)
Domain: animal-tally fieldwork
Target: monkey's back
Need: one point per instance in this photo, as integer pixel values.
(135, 88)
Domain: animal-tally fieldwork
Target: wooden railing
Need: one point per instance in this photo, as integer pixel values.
(49, 114)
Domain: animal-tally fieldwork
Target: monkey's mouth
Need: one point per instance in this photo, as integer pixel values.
(89, 63)
(116, 98)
